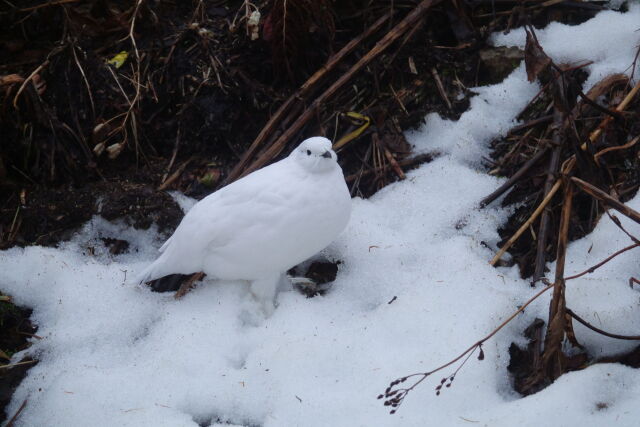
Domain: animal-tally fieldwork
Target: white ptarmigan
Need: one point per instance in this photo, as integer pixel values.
(260, 226)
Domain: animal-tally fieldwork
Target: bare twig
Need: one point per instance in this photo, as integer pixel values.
(531, 123)
(440, 86)
(27, 80)
(604, 110)
(301, 93)
(596, 157)
(174, 175)
(394, 163)
(618, 224)
(603, 262)
(621, 107)
(13, 419)
(607, 199)
(50, 3)
(514, 178)
(395, 397)
(84, 78)
(553, 358)
(600, 331)
(543, 230)
(11, 365)
(173, 157)
(406, 163)
(406, 23)
(527, 223)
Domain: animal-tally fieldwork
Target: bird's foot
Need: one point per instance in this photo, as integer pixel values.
(264, 291)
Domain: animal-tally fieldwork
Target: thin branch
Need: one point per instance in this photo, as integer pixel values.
(13, 419)
(600, 331)
(527, 223)
(514, 178)
(394, 397)
(26, 81)
(621, 107)
(84, 78)
(543, 229)
(301, 93)
(51, 3)
(607, 199)
(406, 23)
(615, 114)
(617, 222)
(603, 262)
(629, 144)
(530, 124)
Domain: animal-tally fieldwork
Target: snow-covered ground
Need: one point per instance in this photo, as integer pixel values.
(115, 354)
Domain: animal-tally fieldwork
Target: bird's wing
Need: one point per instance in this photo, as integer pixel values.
(217, 219)
(165, 245)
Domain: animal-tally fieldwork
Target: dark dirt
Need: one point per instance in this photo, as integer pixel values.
(206, 89)
(15, 331)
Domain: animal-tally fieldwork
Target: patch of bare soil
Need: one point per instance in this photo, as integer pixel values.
(15, 331)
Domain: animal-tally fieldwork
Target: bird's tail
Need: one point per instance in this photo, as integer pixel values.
(145, 276)
(151, 272)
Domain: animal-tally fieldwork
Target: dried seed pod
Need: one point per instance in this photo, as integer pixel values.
(114, 150)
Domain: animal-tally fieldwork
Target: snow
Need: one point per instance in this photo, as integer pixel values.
(117, 354)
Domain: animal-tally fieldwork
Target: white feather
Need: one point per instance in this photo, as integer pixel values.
(263, 224)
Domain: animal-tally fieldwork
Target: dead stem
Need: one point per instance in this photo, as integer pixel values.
(405, 24)
(603, 262)
(299, 96)
(527, 223)
(607, 199)
(600, 331)
(394, 397)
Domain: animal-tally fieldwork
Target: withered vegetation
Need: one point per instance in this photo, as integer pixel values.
(573, 160)
(152, 95)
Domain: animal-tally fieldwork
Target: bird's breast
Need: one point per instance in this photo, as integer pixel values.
(290, 224)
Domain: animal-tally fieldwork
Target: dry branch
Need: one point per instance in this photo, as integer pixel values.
(553, 358)
(607, 199)
(543, 230)
(600, 331)
(514, 178)
(395, 397)
(405, 24)
(620, 108)
(527, 223)
(603, 262)
(300, 94)
(596, 157)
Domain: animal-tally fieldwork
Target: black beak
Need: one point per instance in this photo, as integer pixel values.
(326, 154)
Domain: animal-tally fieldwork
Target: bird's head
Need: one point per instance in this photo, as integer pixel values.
(315, 154)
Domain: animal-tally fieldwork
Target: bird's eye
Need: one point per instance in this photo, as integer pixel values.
(308, 152)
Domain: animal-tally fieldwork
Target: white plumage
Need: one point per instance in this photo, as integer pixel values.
(263, 224)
